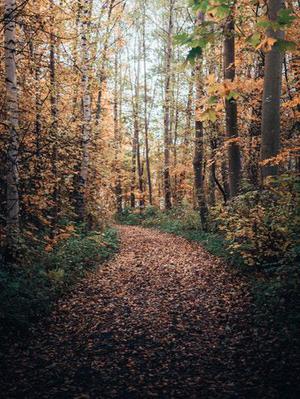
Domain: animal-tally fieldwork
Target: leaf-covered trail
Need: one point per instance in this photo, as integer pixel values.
(163, 319)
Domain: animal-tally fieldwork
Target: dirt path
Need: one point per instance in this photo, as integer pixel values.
(164, 319)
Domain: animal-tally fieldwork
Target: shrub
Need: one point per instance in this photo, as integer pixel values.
(27, 292)
(130, 217)
(262, 226)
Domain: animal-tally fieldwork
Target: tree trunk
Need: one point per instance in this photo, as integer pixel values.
(102, 72)
(54, 124)
(199, 145)
(86, 103)
(167, 103)
(212, 174)
(75, 60)
(146, 121)
(198, 160)
(133, 172)
(117, 140)
(12, 193)
(234, 157)
(270, 130)
(175, 116)
(137, 128)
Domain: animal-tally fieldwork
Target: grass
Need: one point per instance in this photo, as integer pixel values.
(29, 291)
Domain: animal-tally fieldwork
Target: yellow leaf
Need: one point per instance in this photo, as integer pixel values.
(267, 44)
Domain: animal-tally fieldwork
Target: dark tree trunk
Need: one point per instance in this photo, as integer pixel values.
(117, 139)
(167, 104)
(146, 121)
(54, 126)
(234, 157)
(270, 130)
(12, 109)
(198, 161)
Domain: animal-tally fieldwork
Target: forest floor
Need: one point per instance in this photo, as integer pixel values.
(163, 319)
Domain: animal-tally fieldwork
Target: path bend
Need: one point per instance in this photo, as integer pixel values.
(163, 319)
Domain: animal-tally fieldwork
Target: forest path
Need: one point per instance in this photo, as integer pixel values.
(163, 319)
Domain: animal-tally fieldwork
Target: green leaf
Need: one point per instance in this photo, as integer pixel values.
(182, 39)
(199, 5)
(212, 100)
(233, 95)
(286, 17)
(254, 39)
(212, 116)
(194, 53)
(265, 24)
(285, 45)
(221, 11)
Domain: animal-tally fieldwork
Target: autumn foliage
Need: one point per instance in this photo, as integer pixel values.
(180, 117)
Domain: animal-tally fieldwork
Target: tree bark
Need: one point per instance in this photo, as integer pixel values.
(102, 72)
(54, 124)
(117, 140)
(270, 130)
(146, 121)
(75, 60)
(175, 117)
(199, 144)
(86, 103)
(234, 157)
(12, 179)
(133, 171)
(167, 103)
(136, 112)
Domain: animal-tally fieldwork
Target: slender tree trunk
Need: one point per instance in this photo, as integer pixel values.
(38, 117)
(140, 166)
(86, 103)
(117, 140)
(189, 112)
(270, 130)
(176, 123)
(167, 103)
(138, 146)
(133, 171)
(234, 157)
(187, 138)
(137, 127)
(146, 122)
(54, 124)
(12, 180)
(102, 72)
(212, 174)
(75, 60)
(198, 160)
(198, 167)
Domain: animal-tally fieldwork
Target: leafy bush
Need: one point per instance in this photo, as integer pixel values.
(277, 298)
(28, 292)
(130, 217)
(263, 226)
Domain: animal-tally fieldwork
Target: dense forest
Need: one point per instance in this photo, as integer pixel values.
(138, 133)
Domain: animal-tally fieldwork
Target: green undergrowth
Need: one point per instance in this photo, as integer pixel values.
(28, 291)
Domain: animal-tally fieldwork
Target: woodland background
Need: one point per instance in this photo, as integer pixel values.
(179, 116)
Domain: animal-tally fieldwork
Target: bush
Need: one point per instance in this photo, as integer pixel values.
(263, 226)
(27, 292)
(277, 298)
(130, 217)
